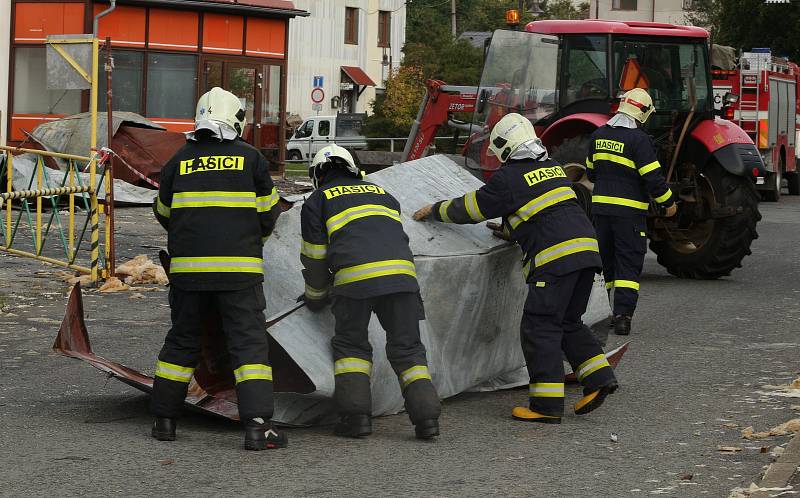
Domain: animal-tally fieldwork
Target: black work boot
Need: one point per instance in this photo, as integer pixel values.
(424, 408)
(354, 425)
(262, 435)
(622, 325)
(426, 429)
(164, 428)
(592, 399)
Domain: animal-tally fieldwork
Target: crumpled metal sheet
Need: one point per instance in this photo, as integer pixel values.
(471, 283)
(124, 192)
(473, 290)
(71, 135)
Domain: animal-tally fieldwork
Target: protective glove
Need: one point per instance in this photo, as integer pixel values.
(498, 231)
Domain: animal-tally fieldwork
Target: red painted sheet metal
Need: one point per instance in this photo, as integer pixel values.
(718, 133)
(358, 75)
(212, 389)
(557, 27)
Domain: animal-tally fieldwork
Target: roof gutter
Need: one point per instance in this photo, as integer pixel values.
(102, 14)
(208, 6)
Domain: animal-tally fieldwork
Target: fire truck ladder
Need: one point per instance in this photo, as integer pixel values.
(750, 98)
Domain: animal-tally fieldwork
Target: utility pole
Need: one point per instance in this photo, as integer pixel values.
(453, 16)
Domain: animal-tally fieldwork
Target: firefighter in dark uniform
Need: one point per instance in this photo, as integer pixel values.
(218, 205)
(541, 213)
(356, 253)
(622, 164)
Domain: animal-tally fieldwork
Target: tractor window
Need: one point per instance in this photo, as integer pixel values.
(586, 74)
(665, 70)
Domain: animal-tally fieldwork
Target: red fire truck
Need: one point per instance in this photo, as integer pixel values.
(768, 109)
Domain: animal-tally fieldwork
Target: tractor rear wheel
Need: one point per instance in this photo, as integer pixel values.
(712, 248)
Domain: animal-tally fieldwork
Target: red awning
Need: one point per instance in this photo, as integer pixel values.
(358, 76)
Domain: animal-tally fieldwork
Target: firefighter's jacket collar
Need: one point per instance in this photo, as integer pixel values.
(622, 120)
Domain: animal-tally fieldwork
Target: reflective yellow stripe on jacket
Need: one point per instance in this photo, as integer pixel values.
(162, 208)
(647, 168)
(266, 202)
(544, 201)
(662, 198)
(216, 264)
(313, 251)
(471, 203)
(415, 373)
(171, 371)
(255, 371)
(214, 199)
(620, 201)
(591, 365)
(546, 390)
(315, 293)
(352, 365)
(338, 221)
(373, 270)
(605, 156)
(565, 248)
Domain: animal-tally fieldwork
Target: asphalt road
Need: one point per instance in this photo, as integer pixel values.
(700, 355)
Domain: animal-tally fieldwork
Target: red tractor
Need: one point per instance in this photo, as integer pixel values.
(567, 76)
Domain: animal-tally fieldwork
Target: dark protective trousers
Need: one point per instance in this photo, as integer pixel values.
(551, 323)
(623, 244)
(244, 327)
(399, 315)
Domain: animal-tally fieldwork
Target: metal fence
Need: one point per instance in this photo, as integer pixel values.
(393, 143)
(48, 208)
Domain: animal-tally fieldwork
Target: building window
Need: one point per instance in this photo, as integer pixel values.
(384, 28)
(31, 95)
(171, 85)
(351, 25)
(623, 4)
(126, 83)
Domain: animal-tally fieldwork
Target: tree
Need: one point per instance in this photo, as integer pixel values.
(723, 18)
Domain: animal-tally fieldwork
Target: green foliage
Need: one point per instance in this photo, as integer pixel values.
(725, 21)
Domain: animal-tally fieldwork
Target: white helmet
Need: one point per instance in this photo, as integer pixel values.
(637, 104)
(508, 134)
(220, 106)
(330, 157)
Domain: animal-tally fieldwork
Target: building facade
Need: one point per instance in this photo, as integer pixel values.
(666, 11)
(345, 47)
(166, 54)
(5, 40)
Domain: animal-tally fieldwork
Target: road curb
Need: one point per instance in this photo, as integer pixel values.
(780, 472)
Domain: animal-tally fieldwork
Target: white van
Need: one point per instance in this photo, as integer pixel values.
(320, 131)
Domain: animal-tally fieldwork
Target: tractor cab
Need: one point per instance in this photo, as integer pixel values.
(557, 69)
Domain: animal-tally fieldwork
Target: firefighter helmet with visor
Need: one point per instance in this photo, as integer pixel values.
(637, 104)
(220, 106)
(509, 134)
(332, 156)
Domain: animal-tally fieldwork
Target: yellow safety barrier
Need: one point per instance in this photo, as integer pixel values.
(45, 197)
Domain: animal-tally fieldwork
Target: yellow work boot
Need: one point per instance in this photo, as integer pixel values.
(594, 399)
(526, 414)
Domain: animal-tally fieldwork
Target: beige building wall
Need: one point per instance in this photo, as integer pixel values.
(5, 51)
(316, 47)
(666, 11)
